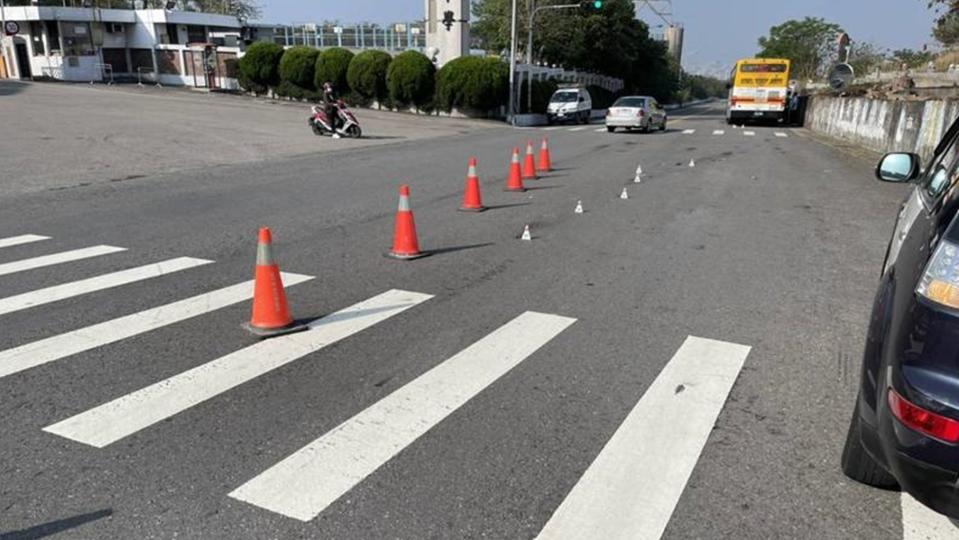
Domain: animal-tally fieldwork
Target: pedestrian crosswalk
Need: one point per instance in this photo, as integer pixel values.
(305, 483)
(659, 441)
(57, 258)
(126, 415)
(22, 239)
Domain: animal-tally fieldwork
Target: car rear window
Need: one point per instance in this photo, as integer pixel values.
(630, 102)
(565, 97)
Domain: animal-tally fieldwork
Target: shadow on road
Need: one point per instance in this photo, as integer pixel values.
(441, 251)
(501, 206)
(380, 137)
(9, 88)
(55, 527)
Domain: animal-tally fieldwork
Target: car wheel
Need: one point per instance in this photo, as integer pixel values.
(610, 129)
(645, 128)
(857, 463)
(585, 119)
(663, 126)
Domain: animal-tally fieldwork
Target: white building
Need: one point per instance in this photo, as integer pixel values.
(93, 44)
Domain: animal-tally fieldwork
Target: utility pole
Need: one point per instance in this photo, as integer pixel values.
(510, 113)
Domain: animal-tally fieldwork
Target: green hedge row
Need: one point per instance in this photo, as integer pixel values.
(410, 79)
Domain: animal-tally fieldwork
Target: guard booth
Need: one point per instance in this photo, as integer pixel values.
(200, 64)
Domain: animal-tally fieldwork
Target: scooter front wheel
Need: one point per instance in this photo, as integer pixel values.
(354, 132)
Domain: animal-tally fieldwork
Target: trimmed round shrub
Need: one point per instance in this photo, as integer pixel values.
(472, 83)
(366, 75)
(259, 68)
(411, 79)
(331, 66)
(297, 69)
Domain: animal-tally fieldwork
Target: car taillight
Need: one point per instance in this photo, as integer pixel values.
(923, 421)
(940, 282)
(641, 113)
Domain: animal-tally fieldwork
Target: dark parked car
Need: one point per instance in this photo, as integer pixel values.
(905, 427)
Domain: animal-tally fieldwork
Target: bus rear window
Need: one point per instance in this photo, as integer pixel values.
(763, 68)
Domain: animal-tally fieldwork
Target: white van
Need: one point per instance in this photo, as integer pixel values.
(573, 104)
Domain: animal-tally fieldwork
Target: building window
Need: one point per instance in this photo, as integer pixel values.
(76, 39)
(196, 34)
(53, 35)
(36, 36)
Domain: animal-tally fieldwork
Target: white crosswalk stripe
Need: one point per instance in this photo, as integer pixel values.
(309, 480)
(718, 132)
(749, 133)
(62, 346)
(581, 128)
(99, 283)
(125, 416)
(599, 129)
(632, 487)
(689, 131)
(782, 135)
(22, 239)
(57, 258)
(553, 128)
(922, 523)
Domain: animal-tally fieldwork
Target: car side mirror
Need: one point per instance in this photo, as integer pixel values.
(582, 99)
(898, 167)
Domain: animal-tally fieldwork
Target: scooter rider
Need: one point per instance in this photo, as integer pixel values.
(331, 108)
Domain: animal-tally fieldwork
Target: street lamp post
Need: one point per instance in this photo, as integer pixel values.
(529, 49)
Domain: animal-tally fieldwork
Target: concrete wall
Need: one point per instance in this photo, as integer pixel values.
(883, 125)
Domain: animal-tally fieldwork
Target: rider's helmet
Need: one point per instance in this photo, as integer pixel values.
(327, 87)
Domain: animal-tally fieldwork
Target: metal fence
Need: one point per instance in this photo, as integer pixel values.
(394, 37)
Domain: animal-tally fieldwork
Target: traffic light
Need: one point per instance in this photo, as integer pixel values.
(591, 5)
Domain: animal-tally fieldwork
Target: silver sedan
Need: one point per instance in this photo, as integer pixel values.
(636, 112)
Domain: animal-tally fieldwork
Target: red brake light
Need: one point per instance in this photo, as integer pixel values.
(641, 113)
(923, 421)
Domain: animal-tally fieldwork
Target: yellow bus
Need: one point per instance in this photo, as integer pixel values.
(758, 90)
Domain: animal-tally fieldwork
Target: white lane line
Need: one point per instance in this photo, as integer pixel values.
(689, 131)
(718, 132)
(22, 239)
(781, 134)
(600, 129)
(581, 128)
(305, 483)
(553, 128)
(633, 485)
(126, 415)
(749, 133)
(61, 346)
(98, 283)
(922, 523)
(57, 258)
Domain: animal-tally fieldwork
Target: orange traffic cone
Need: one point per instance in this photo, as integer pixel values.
(472, 200)
(271, 313)
(529, 166)
(545, 164)
(405, 244)
(515, 181)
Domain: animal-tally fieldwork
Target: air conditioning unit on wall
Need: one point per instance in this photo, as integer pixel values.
(115, 28)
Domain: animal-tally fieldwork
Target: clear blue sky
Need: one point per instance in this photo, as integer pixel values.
(717, 31)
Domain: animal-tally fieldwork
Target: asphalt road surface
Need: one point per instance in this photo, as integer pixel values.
(678, 364)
